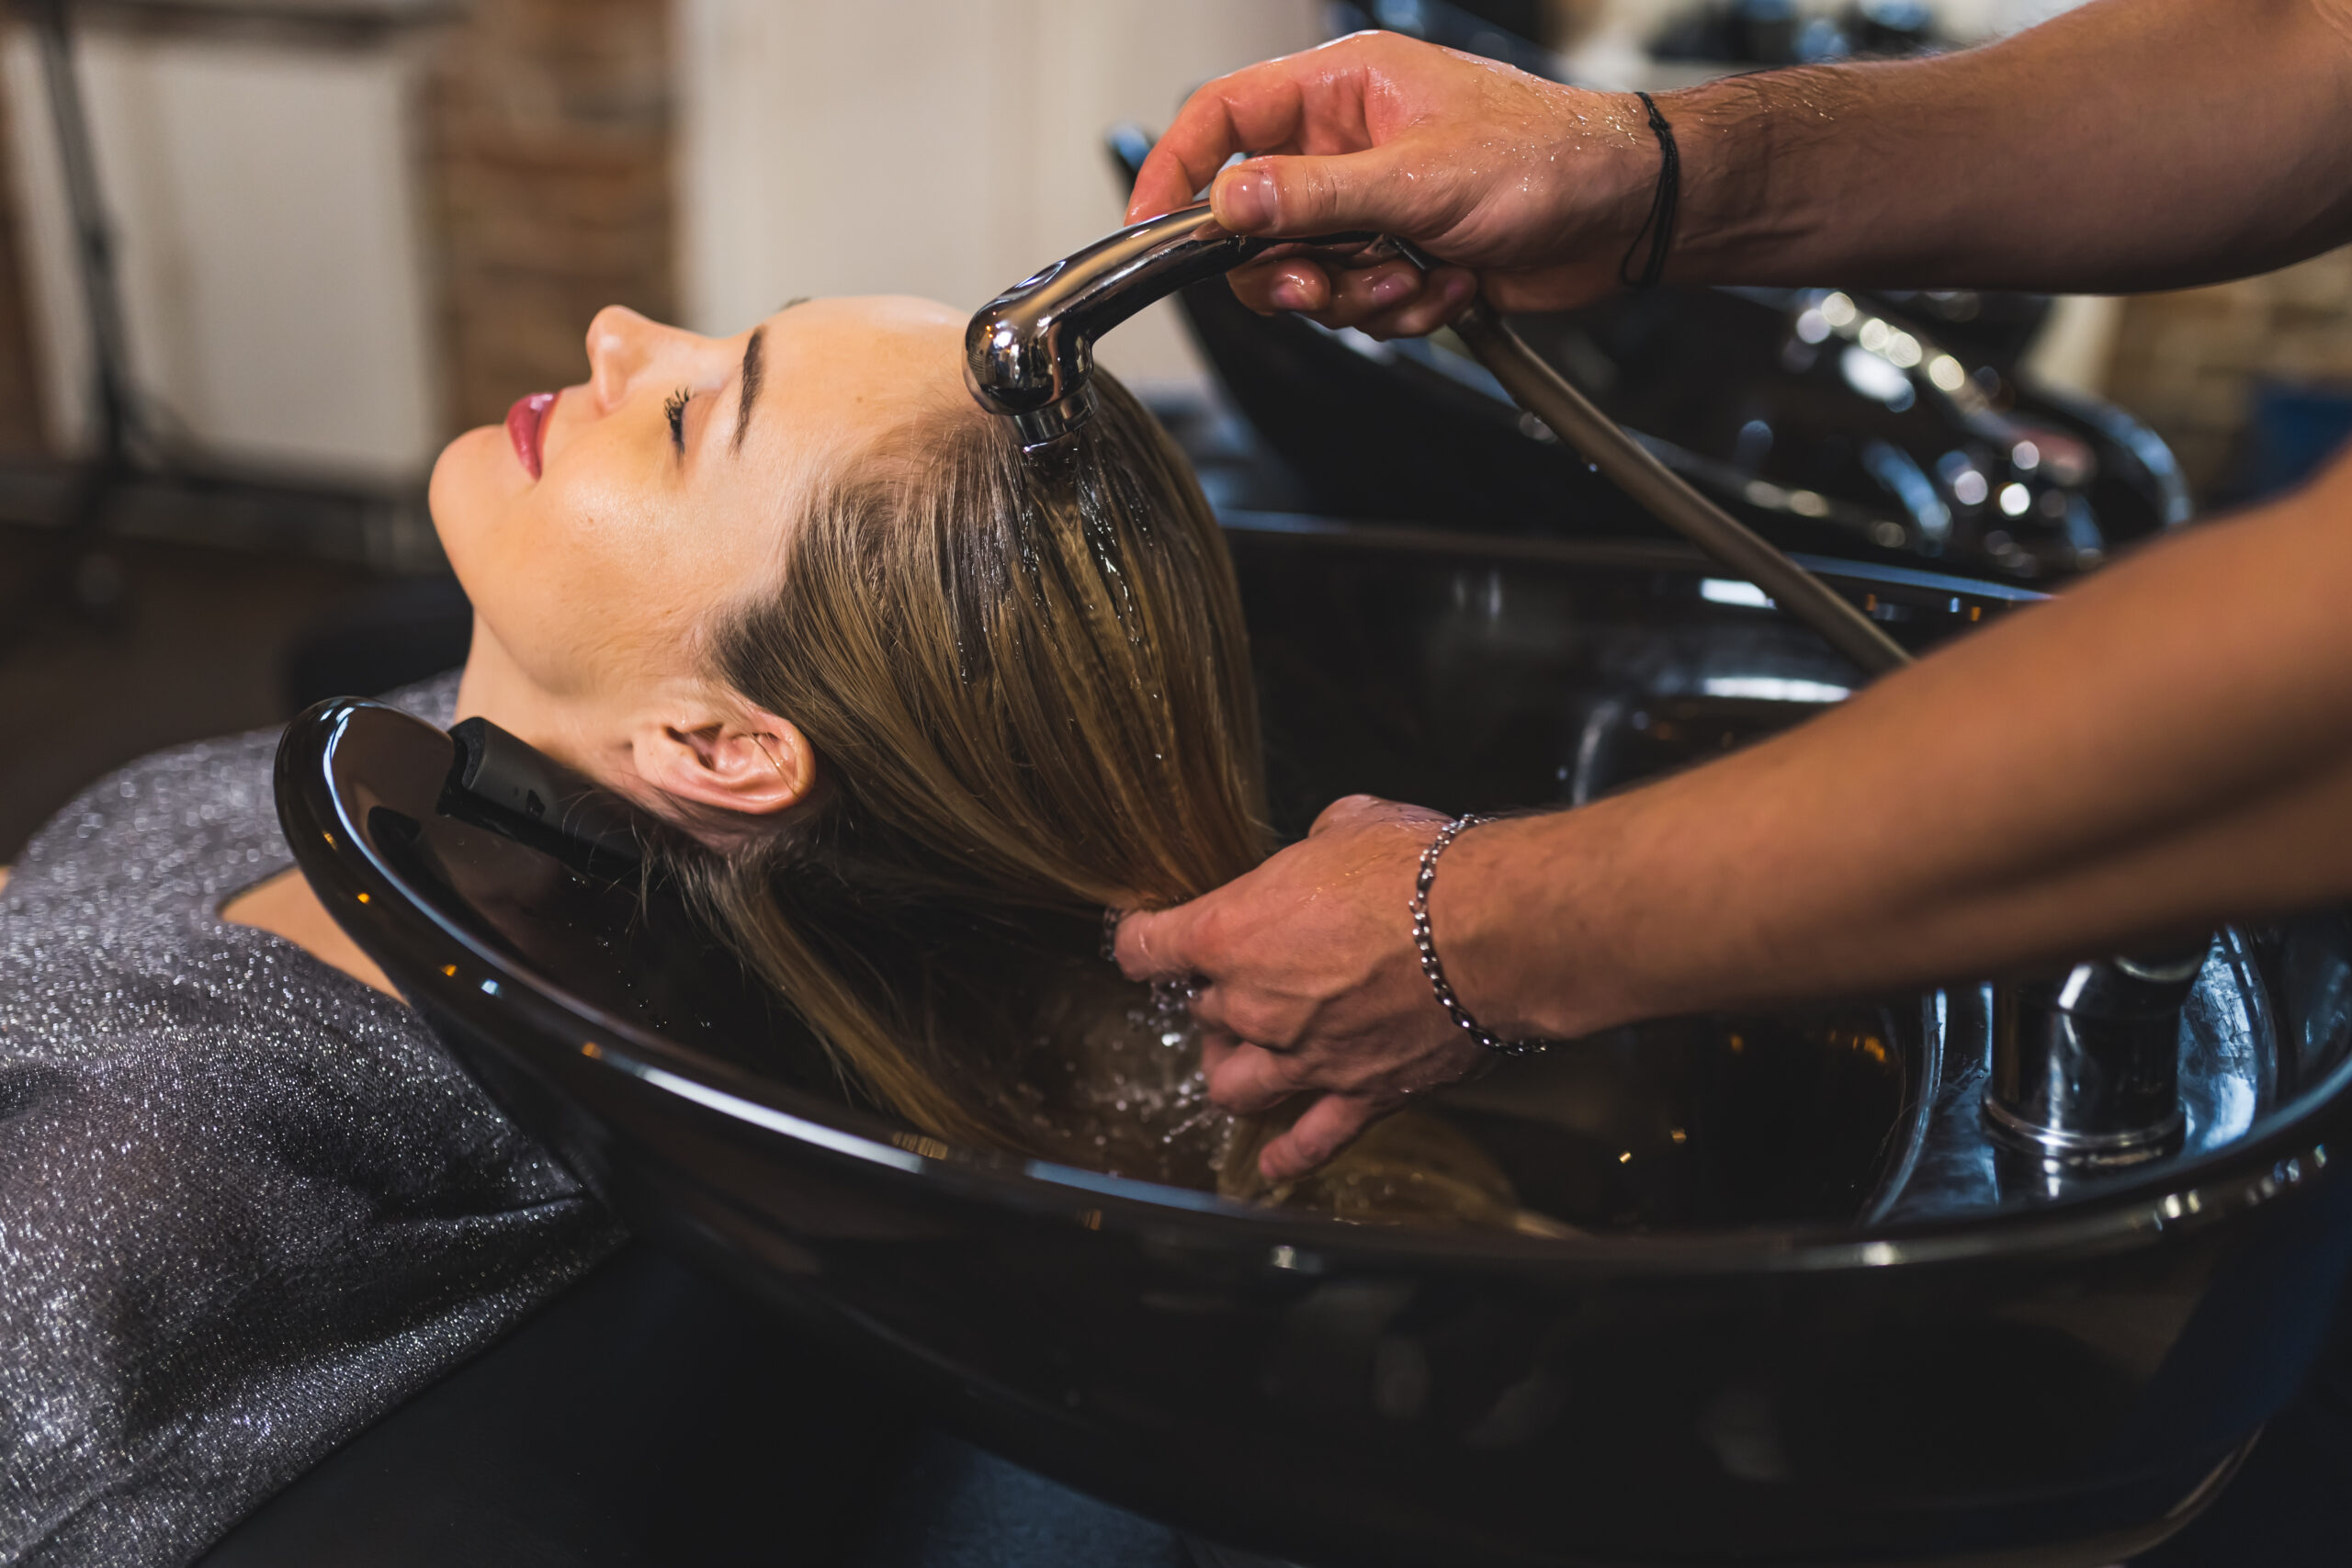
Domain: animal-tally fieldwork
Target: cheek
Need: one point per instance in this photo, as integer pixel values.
(576, 575)
(494, 525)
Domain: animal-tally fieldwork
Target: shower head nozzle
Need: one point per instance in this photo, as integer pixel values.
(1029, 354)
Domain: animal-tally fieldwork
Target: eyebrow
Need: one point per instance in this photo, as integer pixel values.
(754, 361)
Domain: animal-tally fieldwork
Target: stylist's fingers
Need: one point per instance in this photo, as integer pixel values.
(1217, 1047)
(1283, 283)
(1258, 105)
(1313, 102)
(1263, 1023)
(1443, 295)
(1254, 1078)
(1302, 196)
(1326, 1127)
(1208, 1011)
(1165, 182)
(1365, 293)
(1369, 811)
(1161, 944)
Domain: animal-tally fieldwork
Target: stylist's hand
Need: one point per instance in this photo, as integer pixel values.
(1537, 188)
(1314, 985)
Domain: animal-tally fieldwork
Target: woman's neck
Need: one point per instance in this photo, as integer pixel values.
(588, 736)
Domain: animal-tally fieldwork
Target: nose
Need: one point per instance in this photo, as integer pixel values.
(621, 344)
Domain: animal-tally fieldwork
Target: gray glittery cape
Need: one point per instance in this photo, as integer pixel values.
(247, 1204)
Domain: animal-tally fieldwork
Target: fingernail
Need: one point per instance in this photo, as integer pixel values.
(1459, 288)
(1394, 287)
(1290, 294)
(1245, 200)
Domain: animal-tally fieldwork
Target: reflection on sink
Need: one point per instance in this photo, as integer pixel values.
(1791, 1118)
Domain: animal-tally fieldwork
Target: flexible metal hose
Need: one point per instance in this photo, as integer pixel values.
(1544, 392)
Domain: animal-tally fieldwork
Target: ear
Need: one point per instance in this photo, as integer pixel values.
(745, 762)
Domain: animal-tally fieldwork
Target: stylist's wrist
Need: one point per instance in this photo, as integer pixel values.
(1731, 212)
(1501, 917)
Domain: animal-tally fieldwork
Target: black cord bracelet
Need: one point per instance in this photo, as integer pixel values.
(1659, 226)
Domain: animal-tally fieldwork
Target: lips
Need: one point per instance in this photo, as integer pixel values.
(526, 423)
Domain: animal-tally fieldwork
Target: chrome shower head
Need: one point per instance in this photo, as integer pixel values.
(1029, 353)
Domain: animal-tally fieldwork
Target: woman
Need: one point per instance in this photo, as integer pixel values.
(914, 710)
(246, 1203)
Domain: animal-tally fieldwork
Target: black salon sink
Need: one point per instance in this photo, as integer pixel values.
(1795, 1310)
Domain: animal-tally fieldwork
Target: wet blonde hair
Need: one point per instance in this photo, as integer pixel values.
(1027, 684)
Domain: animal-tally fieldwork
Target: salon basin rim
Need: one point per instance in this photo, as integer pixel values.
(2288, 1156)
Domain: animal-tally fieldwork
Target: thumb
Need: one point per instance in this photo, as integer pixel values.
(1157, 945)
(1313, 195)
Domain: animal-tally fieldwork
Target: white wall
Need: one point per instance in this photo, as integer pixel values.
(271, 265)
(947, 148)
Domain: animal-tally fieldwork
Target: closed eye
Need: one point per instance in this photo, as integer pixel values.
(676, 411)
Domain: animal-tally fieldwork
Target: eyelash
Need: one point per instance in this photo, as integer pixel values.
(675, 410)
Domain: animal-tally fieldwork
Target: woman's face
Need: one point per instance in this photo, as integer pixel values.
(604, 526)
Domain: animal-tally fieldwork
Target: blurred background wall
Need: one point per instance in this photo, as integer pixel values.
(336, 249)
(264, 202)
(942, 149)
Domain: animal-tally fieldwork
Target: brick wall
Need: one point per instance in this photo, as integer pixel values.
(2186, 362)
(548, 168)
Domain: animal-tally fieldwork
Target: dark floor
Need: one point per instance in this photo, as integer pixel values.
(195, 650)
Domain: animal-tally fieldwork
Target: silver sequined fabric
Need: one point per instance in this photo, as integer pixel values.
(247, 1204)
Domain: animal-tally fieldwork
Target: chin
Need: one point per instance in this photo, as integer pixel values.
(465, 488)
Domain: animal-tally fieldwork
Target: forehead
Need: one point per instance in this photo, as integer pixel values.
(873, 357)
(839, 379)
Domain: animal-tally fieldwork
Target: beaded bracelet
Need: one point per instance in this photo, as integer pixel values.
(1423, 940)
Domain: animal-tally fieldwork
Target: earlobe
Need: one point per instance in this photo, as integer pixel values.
(751, 764)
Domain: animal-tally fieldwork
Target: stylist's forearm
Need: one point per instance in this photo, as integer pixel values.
(2023, 794)
(2130, 144)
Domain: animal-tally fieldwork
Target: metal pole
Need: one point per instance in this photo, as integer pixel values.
(93, 242)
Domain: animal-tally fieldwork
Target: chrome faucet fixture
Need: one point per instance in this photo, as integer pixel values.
(2086, 1066)
(1029, 353)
